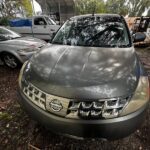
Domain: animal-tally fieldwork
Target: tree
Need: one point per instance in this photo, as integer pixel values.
(138, 7)
(7, 8)
(116, 7)
(26, 6)
(10, 8)
(89, 6)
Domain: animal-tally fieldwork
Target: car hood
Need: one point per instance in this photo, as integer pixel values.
(84, 72)
(24, 42)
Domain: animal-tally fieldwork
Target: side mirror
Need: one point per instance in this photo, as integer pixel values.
(138, 37)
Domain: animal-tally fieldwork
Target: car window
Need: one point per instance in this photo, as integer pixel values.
(4, 37)
(6, 34)
(93, 31)
(3, 31)
(50, 21)
(39, 21)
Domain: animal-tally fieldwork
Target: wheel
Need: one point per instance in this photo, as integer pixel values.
(11, 61)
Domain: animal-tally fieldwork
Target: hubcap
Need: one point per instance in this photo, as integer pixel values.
(10, 61)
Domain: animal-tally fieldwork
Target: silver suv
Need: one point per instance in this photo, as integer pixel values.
(89, 82)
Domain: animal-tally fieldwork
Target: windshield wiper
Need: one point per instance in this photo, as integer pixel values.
(93, 38)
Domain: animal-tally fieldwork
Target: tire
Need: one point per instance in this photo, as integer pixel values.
(11, 61)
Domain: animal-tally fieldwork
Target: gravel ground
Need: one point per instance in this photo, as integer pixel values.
(19, 132)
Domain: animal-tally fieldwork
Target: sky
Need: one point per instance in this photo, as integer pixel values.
(37, 7)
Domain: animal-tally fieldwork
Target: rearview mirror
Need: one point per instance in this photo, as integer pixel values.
(139, 37)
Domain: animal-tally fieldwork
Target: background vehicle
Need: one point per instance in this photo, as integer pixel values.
(142, 24)
(14, 49)
(41, 27)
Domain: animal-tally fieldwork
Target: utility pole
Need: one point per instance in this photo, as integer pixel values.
(46, 8)
(33, 7)
(59, 11)
(94, 9)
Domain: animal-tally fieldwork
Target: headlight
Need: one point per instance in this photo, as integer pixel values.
(140, 97)
(21, 73)
(25, 51)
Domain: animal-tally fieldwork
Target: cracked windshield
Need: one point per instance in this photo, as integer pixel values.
(93, 31)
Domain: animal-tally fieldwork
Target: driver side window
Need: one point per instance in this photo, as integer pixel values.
(39, 21)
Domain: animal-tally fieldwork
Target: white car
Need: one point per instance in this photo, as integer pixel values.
(15, 49)
(41, 27)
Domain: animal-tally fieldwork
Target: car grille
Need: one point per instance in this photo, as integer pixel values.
(45, 101)
(35, 95)
(99, 109)
(104, 108)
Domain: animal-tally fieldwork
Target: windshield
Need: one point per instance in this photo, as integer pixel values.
(94, 31)
(50, 21)
(8, 34)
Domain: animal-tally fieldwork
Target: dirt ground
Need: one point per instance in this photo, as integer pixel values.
(19, 132)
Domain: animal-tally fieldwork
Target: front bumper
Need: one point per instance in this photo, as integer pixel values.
(109, 128)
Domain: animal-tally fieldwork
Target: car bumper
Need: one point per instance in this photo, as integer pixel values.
(108, 129)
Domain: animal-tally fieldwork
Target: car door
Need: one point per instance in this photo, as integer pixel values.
(53, 27)
(40, 28)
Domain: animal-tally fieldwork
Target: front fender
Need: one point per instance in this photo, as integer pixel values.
(12, 53)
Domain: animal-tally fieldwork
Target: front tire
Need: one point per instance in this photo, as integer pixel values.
(11, 61)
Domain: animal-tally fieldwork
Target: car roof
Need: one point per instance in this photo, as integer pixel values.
(95, 15)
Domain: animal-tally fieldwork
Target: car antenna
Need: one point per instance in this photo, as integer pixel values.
(92, 13)
(94, 8)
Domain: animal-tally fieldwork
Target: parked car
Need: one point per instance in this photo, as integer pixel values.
(142, 24)
(89, 82)
(15, 49)
(41, 27)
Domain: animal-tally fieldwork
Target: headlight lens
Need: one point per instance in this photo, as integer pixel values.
(140, 97)
(25, 51)
(21, 74)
